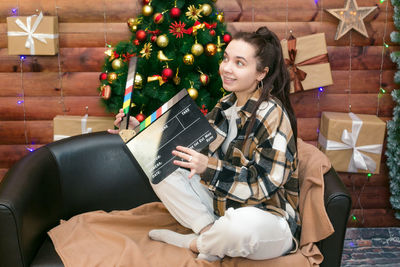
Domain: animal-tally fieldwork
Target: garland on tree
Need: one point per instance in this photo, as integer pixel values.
(179, 44)
(393, 138)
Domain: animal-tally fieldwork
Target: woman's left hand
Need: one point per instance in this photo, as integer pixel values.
(195, 161)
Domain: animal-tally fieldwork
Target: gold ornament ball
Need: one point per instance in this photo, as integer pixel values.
(197, 49)
(220, 18)
(206, 9)
(211, 49)
(147, 10)
(193, 93)
(162, 41)
(112, 76)
(177, 80)
(188, 59)
(131, 21)
(134, 28)
(138, 81)
(116, 64)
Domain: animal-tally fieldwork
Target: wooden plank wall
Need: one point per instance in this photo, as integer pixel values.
(66, 84)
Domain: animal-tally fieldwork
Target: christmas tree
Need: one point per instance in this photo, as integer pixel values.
(393, 138)
(179, 44)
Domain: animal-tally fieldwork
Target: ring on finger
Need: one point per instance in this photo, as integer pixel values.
(190, 159)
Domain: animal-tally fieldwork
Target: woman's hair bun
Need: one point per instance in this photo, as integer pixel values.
(265, 33)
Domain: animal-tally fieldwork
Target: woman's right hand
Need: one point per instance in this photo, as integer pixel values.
(133, 122)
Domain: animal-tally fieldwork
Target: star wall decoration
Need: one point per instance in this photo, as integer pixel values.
(351, 17)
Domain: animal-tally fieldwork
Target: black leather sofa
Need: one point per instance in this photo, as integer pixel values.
(91, 172)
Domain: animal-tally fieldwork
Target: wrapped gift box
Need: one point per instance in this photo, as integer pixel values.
(307, 60)
(66, 126)
(43, 39)
(353, 142)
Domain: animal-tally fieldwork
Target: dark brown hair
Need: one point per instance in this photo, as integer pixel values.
(268, 52)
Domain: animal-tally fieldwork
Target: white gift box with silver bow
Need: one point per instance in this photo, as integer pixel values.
(32, 35)
(352, 142)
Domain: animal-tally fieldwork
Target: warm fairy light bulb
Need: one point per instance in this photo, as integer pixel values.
(321, 89)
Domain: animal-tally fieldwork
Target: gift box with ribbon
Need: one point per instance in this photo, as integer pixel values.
(308, 62)
(353, 142)
(32, 35)
(67, 126)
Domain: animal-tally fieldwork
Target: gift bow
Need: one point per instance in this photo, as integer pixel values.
(30, 32)
(297, 75)
(358, 159)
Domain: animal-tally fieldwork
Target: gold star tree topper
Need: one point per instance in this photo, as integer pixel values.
(351, 17)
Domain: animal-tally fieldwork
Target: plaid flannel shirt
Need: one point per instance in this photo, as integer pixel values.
(263, 173)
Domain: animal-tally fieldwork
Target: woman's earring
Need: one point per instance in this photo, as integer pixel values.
(260, 85)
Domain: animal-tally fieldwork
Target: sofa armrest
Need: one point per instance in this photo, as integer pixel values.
(30, 203)
(338, 205)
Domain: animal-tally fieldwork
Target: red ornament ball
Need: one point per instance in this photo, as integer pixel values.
(227, 38)
(136, 42)
(167, 73)
(141, 35)
(212, 32)
(175, 12)
(153, 38)
(140, 117)
(103, 76)
(146, 2)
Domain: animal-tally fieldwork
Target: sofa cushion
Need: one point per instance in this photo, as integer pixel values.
(47, 256)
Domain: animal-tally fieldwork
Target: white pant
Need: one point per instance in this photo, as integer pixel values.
(244, 232)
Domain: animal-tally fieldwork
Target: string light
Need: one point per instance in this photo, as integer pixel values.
(321, 89)
(385, 45)
(105, 23)
(60, 74)
(14, 11)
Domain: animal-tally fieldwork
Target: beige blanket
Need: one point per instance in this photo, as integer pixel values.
(119, 238)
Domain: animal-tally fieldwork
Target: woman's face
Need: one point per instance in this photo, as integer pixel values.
(238, 70)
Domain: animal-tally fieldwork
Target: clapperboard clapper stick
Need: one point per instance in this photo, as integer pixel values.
(125, 133)
(177, 122)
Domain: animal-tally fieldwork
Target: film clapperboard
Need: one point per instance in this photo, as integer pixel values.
(177, 122)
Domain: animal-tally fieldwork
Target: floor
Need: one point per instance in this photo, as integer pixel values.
(372, 247)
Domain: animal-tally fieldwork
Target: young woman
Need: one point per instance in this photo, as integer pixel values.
(240, 196)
